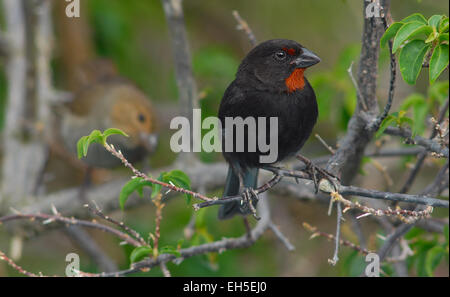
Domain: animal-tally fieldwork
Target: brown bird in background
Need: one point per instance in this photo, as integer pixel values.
(107, 100)
(102, 98)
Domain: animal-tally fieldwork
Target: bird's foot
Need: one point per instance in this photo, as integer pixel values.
(317, 173)
(248, 196)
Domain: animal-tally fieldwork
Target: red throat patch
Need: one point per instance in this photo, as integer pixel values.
(295, 81)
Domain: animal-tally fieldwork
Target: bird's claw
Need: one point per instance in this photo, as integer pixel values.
(247, 198)
(317, 173)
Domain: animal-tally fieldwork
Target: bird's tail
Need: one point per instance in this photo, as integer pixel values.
(228, 210)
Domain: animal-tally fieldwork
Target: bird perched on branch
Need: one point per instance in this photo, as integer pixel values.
(269, 83)
(107, 100)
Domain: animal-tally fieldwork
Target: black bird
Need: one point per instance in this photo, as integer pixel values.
(269, 83)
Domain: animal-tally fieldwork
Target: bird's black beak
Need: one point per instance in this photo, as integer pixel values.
(306, 59)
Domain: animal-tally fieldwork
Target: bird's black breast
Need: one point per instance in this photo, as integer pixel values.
(297, 113)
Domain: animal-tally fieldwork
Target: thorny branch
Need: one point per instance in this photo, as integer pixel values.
(217, 246)
(47, 219)
(15, 266)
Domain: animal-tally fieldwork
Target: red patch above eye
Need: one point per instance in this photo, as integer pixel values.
(289, 51)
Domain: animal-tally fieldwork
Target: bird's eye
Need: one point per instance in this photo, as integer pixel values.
(141, 118)
(280, 56)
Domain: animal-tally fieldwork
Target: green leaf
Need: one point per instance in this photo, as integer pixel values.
(443, 26)
(411, 59)
(411, 100)
(112, 131)
(95, 136)
(414, 233)
(170, 250)
(84, 142)
(420, 113)
(136, 184)
(81, 144)
(181, 179)
(434, 21)
(443, 37)
(386, 123)
(140, 253)
(433, 258)
(415, 17)
(176, 177)
(390, 33)
(439, 91)
(407, 31)
(432, 37)
(405, 120)
(438, 61)
(156, 188)
(420, 108)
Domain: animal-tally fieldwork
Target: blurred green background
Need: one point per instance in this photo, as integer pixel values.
(134, 35)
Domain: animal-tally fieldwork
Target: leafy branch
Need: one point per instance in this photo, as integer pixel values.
(417, 40)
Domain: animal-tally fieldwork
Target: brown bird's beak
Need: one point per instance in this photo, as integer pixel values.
(149, 141)
(306, 59)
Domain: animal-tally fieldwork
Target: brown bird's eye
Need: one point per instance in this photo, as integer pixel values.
(280, 56)
(141, 118)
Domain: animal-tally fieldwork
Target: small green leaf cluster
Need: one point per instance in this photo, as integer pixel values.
(429, 250)
(141, 252)
(96, 136)
(415, 38)
(415, 109)
(175, 177)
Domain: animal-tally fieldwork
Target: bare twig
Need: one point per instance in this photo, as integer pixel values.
(431, 145)
(398, 152)
(164, 270)
(137, 173)
(383, 171)
(417, 199)
(96, 210)
(440, 182)
(47, 219)
(16, 267)
(344, 242)
(158, 218)
(407, 216)
(337, 240)
(281, 237)
(242, 25)
(392, 239)
(325, 144)
(357, 191)
(355, 84)
(435, 188)
(375, 125)
(217, 246)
